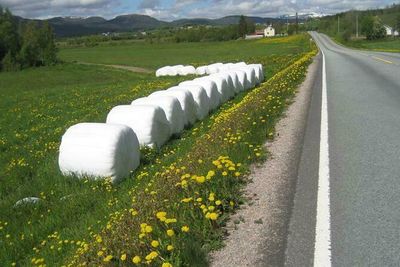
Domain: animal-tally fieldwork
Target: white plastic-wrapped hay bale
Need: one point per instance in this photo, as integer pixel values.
(99, 150)
(211, 90)
(201, 100)
(186, 100)
(242, 78)
(259, 70)
(237, 86)
(202, 70)
(172, 108)
(239, 65)
(162, 71)
(223, 87)
(250, 76)
(148, 122)
(214, 68)
(186, 70)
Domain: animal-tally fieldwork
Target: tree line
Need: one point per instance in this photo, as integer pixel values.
(368, 24)
(24, 45)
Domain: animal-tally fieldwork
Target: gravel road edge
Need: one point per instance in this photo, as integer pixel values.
(260, 237)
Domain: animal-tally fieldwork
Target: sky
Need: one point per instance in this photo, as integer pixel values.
(169, 10)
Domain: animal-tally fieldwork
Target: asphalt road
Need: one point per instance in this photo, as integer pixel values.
(363, 107)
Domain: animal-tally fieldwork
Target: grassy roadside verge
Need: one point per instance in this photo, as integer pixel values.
(391, 45)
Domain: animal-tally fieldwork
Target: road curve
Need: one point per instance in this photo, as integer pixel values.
(363, 106)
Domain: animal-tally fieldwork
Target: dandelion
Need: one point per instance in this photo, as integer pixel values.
(136, 260)
(166, 264)
(185, 228)
(151, 256)
(170, 247)
(170, 232)
(155, 243)
(218, 202)
(213, 216)
(224, 173)
(200, 179)
(108, 258)
(123, 257)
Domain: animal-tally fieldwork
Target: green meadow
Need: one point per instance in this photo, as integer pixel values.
(160, 54)
(73, 217)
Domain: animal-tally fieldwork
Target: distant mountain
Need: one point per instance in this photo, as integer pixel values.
(77, 26)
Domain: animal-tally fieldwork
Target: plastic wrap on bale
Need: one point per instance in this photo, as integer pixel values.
(99, 151)
(242, 78)
(259, 71)
(202, 102)
(172, 108)
(222, 86)
(202, 70)
(186, 70)
(186, 100)
(211, 90)
(148, 122)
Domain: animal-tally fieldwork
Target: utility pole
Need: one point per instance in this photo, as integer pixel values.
(297, 23)
(338, 24)
(357, 26)
(287, 24)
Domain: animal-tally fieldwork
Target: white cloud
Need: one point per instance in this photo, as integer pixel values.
(173, 9)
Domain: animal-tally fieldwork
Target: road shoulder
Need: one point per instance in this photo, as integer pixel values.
(260, 237)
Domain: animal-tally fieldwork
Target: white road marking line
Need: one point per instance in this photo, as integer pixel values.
(322, 252)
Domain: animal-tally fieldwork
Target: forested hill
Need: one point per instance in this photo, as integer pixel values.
(72, 26)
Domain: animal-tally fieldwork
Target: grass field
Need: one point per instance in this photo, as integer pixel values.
(157, 55)
(74, 217)
(386, 45)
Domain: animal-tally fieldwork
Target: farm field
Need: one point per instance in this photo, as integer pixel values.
(86, 221)
(157, 55)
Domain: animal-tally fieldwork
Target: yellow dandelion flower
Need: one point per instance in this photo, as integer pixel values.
(168, 221)
(185, 228)
(166, 264)
(108, 258)
(148, 229)
(200, 179)
(100, 253)
(170, 232)
(218, 202)
(155, 243)
(136, 260)
(237, 174)
(224, 173)
(213, 216)
(170, 247)
(123, 257)
(151, 256)
(161, 214)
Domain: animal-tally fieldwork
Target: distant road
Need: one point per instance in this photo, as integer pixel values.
(348, 189)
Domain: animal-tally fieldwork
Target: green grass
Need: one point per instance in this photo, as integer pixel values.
(389, 44)
(161, 54)
(38, 105)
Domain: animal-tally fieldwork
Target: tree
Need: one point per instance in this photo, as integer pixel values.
(397, 25)
(48, 49)
(9, 43)
(242, 30)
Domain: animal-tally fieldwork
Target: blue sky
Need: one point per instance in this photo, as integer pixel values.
(175, 9)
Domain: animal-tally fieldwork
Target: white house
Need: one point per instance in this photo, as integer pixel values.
(269, 31)
(390, 31)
